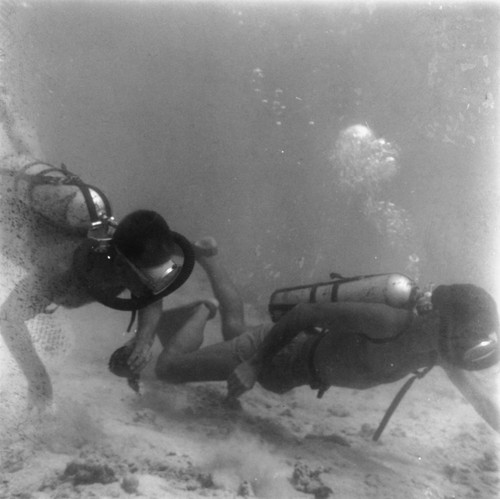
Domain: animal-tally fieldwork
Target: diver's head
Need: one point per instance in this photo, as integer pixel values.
(469, 326)
(145, 246)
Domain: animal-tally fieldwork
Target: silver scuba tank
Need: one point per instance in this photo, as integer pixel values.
(395, 290)
(51, 193)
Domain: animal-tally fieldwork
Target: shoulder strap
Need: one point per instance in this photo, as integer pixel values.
(72, 179)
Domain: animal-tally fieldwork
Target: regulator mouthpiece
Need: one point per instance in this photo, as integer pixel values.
(101, 232)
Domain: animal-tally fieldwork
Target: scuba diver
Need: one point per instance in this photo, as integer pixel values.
(349, 332)
(82, 254)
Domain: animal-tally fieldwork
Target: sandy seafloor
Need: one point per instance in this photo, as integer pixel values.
(181, 441)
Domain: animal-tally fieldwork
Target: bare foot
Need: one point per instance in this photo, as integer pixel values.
(213, 305)
(205, 247)
(232, 404)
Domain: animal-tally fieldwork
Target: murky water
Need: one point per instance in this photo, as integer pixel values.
(225, 118)
(307, 138)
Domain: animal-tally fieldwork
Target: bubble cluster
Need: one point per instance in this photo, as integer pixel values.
(412, 268)
(391, 221)
(362, 162)
(271, 100)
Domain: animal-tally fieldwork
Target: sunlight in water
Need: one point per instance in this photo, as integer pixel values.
(362, 162)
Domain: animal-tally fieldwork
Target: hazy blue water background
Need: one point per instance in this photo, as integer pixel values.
(169, 106)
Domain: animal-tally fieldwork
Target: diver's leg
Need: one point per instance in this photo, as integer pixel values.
(177, 363)
(18, 339)
(230, 302)
(181, 328)
(212, 363)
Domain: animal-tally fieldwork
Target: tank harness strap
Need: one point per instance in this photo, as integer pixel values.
(397, 399)
(72, 179)
(316, 383)
(38, 178)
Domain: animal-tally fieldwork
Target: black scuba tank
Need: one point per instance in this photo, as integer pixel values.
(395, 290)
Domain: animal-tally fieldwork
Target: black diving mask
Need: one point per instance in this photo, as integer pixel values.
(467, 349)
(482, 355)
(469, 326)
(155, 278)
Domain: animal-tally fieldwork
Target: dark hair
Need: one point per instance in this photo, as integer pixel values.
(467, 303)
(144, 236)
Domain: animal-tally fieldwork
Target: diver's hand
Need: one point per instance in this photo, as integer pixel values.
(140, 356)
(241, 380)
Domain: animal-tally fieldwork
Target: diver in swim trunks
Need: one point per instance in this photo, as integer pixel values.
(344, 344)
(74, 253)
(68, 250)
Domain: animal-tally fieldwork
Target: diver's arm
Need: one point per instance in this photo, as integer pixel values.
(471, 388)
(147, 320)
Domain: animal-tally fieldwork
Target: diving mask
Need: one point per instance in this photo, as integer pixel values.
(482, 355)
(155, 278)
(469, 326)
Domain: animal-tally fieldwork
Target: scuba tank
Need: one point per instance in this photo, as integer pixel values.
(395, 290)
(61, 197)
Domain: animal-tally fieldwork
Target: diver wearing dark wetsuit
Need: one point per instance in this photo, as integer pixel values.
(347, 344)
